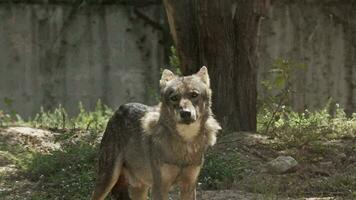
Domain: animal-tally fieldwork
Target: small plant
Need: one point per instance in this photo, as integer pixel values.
(174, 62)
(279, 86)
(299, 129)
(5, 119)
(220, 171)
(11, 117)
(58, 119)
(95, 120)
(277, 119)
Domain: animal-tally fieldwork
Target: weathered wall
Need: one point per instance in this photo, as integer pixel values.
(62, 54)
(59, 53)
(320, 34)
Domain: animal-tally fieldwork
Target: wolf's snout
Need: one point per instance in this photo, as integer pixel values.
(185, 115)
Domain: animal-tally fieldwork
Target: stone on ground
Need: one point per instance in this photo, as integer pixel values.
(282, 164)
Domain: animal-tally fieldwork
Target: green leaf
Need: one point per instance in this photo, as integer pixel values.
(279, 81)
(8, 101)
(275, 70)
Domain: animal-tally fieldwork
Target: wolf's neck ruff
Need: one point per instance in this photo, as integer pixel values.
(189, 131)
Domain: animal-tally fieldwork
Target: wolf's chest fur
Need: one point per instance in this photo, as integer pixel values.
(189, 131)
(180, 144)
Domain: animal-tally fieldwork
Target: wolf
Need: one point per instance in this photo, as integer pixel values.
(156, 147)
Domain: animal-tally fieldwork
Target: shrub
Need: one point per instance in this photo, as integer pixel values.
(221, 170)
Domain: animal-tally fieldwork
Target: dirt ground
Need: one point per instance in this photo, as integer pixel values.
(252, 146)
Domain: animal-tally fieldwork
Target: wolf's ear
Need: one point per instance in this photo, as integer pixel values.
(167, 75)
(203, 75)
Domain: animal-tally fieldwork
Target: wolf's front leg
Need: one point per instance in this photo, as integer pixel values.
(139, 193)
(188, 182)
(163, 178)
(160, 192)
(189, 194)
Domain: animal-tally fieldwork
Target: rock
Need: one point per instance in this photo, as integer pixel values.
(282, 164)
(326, 164)
(341, 156)
(37, 139)
(352, 158)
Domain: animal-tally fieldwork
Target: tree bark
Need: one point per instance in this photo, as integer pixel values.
(223, 35)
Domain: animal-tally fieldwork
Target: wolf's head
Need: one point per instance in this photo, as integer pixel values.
(187, 99)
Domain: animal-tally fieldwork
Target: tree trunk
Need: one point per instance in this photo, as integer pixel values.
(223, 35)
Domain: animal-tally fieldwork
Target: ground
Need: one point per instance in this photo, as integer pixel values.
(57, 164)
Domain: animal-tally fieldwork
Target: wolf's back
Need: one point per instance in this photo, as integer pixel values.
(125, 123)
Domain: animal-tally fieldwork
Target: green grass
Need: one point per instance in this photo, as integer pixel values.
(221, 170)
(295, 129)
(15, 154)
(85, 120)
(66, 173)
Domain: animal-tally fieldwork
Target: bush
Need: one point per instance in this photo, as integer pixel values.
(298, 129)
(221, 170)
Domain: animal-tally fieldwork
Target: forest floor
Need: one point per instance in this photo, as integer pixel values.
(44, 164)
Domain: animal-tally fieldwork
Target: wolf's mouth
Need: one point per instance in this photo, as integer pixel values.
(187, 121)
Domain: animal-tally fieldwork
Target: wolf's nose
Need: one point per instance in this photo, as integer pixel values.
(185, 114)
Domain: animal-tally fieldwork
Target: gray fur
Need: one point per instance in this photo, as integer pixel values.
(153, 147)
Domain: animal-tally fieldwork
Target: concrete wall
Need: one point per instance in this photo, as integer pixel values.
(62, 54)
(320, 34)
(58, 53)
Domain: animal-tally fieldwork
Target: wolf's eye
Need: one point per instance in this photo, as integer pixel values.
(174, 98)
(194, 94)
